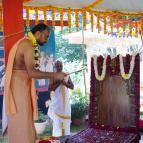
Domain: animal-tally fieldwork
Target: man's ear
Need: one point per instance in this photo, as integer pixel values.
(37, 34)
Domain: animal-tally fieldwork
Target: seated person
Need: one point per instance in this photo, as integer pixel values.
(59, 105)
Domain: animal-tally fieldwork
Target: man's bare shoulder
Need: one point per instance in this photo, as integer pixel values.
(26, 44)
(26, 41)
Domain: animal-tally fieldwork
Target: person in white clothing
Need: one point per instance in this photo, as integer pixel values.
(59, 105)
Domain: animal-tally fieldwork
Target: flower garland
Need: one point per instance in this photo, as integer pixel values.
(102, 76)
(124, 75)
(92, 18)
(45, 15)
(111, 22)
(130, 24)
(36, 16)
(36, 50)
(76, 20)
(93, 100)
(119, 22)
(123, 23)
(69, 20)
(98, 22)
(105, 22)
(136, 24)
(61, 19)
(84, 19)
(27, 17)
(53, 17)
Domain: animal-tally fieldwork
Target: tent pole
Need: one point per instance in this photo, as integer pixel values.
(83, 62)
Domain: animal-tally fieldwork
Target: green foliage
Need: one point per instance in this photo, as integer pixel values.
(41, 117)
(77, 78)
(66, 51)
(79, 105)
(141, 115)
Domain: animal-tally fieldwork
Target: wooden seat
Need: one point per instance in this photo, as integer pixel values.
(114, 106)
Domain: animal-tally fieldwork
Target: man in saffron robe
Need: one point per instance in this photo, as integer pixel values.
(20, 94)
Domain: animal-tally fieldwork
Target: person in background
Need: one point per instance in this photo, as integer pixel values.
(59, 105)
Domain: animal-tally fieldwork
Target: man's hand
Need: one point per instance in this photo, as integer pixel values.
(59, 76)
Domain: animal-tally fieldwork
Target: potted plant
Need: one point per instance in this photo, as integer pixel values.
(40, 123)
(79, 107)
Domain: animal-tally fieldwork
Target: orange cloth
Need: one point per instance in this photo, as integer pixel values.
(20, 102)
(10, 103)
(21, 127)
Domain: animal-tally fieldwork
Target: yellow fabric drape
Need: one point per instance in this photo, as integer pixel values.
(9, 101)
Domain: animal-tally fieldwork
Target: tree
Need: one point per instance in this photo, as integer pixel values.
(66, 51)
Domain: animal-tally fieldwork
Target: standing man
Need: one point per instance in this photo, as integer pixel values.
(20, 94)
(59, 106)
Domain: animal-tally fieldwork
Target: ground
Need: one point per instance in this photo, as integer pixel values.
(48, 131)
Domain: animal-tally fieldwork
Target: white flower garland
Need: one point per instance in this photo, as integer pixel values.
(126, 76)
(102, 76)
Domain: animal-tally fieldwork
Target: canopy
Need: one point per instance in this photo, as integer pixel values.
(125, 14)
(103, 5)
(98, 43)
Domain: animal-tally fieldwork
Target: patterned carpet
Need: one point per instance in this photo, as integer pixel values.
(91, 135)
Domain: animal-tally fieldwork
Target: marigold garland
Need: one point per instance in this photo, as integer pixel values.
(136, 24)
(69, 19)
(76, 19)
(91, 17)
(130, 25)
(36, 16)
(45, 16)
(98, 22)
(27, 17)
(105, 22)
(123, 23)
(94, 4)
(84, 10)
(84, 19)
(26, 0)
(53, 17)
(117, 22)
(111, 22)
(36, 50)
(61, 19)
